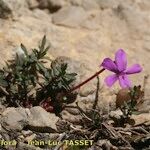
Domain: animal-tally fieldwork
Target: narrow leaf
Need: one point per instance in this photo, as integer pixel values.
(43, 43)
(24, 49)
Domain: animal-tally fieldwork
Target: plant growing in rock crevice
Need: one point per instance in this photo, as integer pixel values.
(25, 81)
(55, 89)
(22, 74)
(128, 100)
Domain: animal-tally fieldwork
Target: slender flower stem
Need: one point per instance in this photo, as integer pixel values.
(87, 80)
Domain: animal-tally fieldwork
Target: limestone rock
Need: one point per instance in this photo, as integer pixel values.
(141, 119)
(116, 114)
(105, 4)
(90, 5)
(75, 119)
(33, 4)
(70, 16)
(5, 10)
(10, 7)
(86, 4)
(42, 121)
(15, 118)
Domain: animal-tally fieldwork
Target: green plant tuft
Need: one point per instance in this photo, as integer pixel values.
(25, 81)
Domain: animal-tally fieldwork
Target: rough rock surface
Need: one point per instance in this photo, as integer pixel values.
(15, 118)
(42, 121)
(70, 16)
(8, 8)
(36, 118)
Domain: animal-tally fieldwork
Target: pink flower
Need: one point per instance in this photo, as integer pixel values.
(120, 70)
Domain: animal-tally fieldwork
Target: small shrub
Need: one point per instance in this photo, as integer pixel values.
(25, 81)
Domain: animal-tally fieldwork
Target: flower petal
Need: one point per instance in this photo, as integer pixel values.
(109, 65)
(110, 80)
(121, 60)
(136, 68)
(124, 81)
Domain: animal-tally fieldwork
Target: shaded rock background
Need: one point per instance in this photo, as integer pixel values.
(86, 31)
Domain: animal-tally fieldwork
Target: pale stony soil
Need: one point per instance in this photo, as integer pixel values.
(86, 31)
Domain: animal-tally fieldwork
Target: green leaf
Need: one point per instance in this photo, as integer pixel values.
(43, 53)
(33, 57)
(24, 49)
(3, 83)
(40, 67)
(35, 52)
(70, 76)
(47, 58)
(1, 73)
(43, 43)
(64, 66)
(136, 113)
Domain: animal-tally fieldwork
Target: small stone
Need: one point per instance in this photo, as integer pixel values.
(73, 111)
(20, 137)
(15, 118)
(122, 97)
(26, 133)
(140, 119)
(116, 114)
(42, 121)
(62, 126)
(30, 138)
(75, 119)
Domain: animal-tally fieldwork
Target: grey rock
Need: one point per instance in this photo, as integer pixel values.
(90, 5)
(134, 18)
(105, 4)
(86, 4)
(141, 119)
(15, 119)
(71, 16)
(75, 119)
(5, 11)
(9, 8)
(42, 121)
(26, 132)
